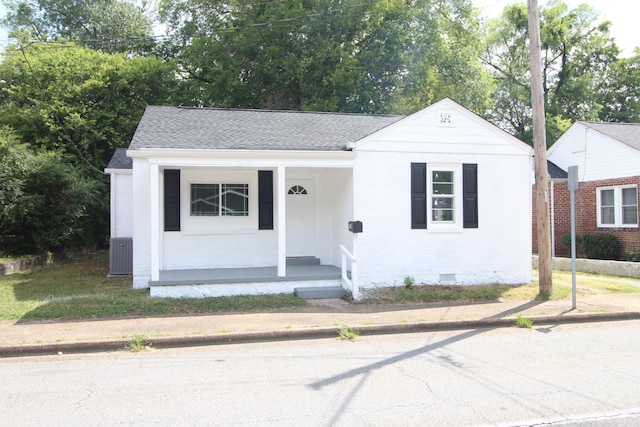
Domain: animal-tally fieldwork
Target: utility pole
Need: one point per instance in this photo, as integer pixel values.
(545, 268)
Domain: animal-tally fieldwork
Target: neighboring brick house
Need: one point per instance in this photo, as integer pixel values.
(608, 159)
(242, 192)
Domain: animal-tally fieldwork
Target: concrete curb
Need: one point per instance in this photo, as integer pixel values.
(301, 334)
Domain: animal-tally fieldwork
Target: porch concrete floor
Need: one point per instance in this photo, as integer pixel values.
(247, 275)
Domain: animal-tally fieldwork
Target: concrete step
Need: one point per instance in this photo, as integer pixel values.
(320, 292)
(302, 260)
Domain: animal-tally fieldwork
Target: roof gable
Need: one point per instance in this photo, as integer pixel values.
(200, 128)
(627, 133)
(444, 126)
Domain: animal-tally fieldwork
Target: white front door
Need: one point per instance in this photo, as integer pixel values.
(301, 218)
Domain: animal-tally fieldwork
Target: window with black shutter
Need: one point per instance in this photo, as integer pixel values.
(265, 200)
(171, 200)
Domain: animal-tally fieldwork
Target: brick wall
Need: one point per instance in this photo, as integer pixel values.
(586, 221)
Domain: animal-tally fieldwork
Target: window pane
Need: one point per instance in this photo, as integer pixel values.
(607, 215)
(442, 215)
(443, 176)
(204, 199)
(235, 199)
(442, 188)
(442, 203)
(629, 206)
(630, 215)
(606, 197)
(629, 197)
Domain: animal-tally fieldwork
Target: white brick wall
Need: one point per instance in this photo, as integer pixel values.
(141, 228)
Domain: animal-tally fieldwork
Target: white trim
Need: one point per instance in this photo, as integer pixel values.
(617, 206)
(245, 158)
(112, 171)
(458, 214)
(281, 224)
(154, 220)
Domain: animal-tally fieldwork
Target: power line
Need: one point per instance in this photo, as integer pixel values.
(336, 13)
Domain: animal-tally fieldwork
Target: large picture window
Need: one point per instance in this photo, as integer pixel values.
(219, 199)
(617, 206)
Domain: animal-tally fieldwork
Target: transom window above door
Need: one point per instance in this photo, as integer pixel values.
(219, 200)
(297, 189)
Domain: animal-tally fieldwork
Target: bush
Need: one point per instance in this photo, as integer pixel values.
(600, 246)
(632, 256)
(44, 200)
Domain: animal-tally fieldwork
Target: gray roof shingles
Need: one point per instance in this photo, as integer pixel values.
(627, 133)
(119, 160)
(203, 128)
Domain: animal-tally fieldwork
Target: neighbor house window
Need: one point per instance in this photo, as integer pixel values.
(617, 206)
(219, 199)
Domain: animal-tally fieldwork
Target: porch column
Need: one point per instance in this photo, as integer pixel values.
(281, 224)
(154, 220)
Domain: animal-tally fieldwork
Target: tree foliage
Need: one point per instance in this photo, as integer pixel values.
(620, 93)
(79, 101)
(328, 55)
(107, 25)
(578, 54)
(44, 200)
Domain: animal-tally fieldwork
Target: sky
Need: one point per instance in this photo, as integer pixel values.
(622, 13)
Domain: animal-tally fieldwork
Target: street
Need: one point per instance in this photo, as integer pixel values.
(565, 375)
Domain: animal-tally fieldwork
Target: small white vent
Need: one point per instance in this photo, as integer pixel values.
(446, 119)
(447, 279)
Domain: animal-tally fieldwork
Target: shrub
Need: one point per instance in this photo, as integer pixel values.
(44, 201)
(600, 246)
(632, 256)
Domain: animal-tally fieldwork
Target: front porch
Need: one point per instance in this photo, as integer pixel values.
(301, 274)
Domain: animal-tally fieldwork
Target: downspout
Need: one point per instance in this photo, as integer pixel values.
(553, 220)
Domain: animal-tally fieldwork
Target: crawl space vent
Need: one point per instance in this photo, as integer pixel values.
(447, 279)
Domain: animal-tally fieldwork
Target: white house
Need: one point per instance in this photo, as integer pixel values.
(245, 201)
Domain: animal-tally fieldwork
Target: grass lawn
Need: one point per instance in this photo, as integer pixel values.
(79, 288)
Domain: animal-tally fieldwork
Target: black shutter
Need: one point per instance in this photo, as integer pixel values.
(265, 200)
(418, 195)
(171, 200)
(470, 195)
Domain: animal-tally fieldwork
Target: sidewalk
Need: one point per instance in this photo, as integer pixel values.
(322, 319)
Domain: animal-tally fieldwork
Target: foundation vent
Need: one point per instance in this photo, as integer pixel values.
(447, 279)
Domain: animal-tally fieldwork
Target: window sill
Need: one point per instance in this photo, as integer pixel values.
(217, 232)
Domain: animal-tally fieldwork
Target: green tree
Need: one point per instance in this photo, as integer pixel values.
(577, 55)
(329, 55)
(620, 93)
(108, 25)
(78, 101)
(43, 199)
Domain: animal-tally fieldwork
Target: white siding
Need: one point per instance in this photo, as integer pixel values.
(121, 203)
(141, 228)
(595, 154)
(498, 251)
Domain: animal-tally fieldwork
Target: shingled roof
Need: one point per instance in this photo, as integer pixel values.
(627, 133)
(204, 128)
(119, 160)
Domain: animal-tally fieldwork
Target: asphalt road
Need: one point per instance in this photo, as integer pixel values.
(567, 375)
